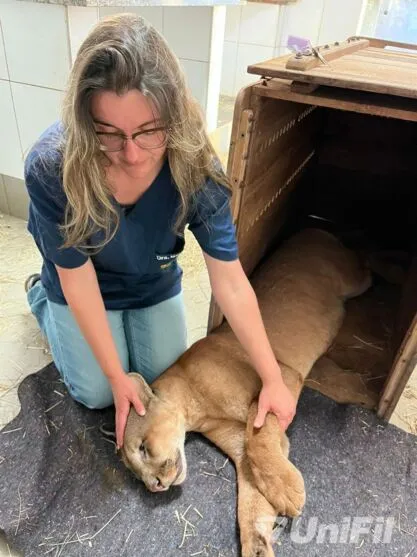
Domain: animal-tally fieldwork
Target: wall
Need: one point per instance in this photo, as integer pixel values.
(34, 68)
(258, 32)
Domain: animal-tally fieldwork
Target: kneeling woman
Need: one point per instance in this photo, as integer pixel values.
(112, 187)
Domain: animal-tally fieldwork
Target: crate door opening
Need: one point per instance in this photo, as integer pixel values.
(354, 175)
(361, 186)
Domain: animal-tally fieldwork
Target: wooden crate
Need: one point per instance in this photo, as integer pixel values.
(337, 136)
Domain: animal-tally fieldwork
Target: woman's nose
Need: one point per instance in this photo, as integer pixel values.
(131, 151)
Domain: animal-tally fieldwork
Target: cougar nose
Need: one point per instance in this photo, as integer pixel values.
(159, 486)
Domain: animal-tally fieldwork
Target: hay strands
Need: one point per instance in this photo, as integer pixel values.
(76, 538)
(189, 529)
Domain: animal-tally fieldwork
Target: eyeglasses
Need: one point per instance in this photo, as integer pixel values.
(146, 139)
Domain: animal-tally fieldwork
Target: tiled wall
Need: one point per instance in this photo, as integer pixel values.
(258, 32)
(34, 67)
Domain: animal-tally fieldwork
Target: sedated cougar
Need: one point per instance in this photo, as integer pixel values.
(212, 388)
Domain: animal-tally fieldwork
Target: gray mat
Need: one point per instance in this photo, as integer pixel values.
(60, 478)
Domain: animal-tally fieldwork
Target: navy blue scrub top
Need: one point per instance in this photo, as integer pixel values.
(138, 267)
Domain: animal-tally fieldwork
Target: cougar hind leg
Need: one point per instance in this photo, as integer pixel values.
(276, 477)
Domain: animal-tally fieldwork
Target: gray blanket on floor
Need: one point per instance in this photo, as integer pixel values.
(63, 491)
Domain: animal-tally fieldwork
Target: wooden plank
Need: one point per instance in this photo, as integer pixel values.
(382, 43)
(378, 54)
(340, 79)
(284, 131)
(275, 180)
(304, 88)
(408, 305)
(253, 246)
(404, 365)
(341, 99)
(240, 154)
(347, 72)
(303, 62)
(385, 73)
(281, 140)
(277, 126)
(242, 123)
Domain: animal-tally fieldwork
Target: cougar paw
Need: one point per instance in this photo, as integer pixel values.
(284, 489)
(290, 498)
(258, 546)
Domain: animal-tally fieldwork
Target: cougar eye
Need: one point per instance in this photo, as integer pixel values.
(142, 449)
(158, 482)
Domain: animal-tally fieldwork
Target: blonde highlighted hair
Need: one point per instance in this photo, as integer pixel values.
(122, 53)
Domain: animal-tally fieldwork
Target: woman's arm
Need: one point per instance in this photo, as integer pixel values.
(237, 300)
(83, 296)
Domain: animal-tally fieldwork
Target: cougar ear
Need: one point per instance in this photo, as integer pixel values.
(144, 390)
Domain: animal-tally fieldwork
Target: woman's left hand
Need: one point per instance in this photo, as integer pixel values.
(276, 398)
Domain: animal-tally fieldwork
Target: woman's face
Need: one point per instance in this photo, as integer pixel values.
(126, 115)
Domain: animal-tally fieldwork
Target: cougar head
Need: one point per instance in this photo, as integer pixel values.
(153, 444)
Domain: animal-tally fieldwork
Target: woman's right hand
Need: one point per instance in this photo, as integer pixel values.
(124, 394)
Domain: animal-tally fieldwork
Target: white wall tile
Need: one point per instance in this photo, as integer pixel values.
(233, 15)
(17, 197)
(153, 14)
(4, 205)
(188, 32)
(302, 19)
(36, 109)
(340, 20)
(247, 55)
(258, 24)
(4, 74)
(280, 52)
(37, 43)
(197, 74)
(215, 66)
(229, 68)
(11, 162)
(80, 22)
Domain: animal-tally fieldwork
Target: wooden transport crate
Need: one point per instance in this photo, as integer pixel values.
(328, 138)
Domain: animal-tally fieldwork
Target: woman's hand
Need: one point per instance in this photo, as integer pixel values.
(124, 394)
(276, 398)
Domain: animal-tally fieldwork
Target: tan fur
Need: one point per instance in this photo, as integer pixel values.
(213, 388)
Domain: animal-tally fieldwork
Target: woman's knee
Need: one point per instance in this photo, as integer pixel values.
(94, 395)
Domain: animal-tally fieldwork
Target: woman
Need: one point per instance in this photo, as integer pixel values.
(111, 188)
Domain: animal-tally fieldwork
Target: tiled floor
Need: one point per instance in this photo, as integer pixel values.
(22, 350)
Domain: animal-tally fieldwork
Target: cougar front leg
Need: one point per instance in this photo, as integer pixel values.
(256, 517)
(275, 476)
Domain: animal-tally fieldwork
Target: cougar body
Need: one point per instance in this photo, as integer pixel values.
(213, 389)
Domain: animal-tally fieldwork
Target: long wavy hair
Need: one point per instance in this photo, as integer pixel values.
(122, 53)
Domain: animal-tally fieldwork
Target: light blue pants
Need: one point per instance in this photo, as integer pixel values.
(148, 341)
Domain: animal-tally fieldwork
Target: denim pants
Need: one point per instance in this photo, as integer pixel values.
(148, 341)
